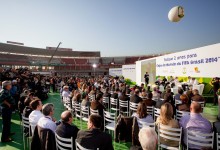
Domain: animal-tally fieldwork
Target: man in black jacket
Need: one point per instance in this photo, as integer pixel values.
(135, 98)
(66, 129)
(94, 138)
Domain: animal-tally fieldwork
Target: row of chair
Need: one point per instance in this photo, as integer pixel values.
(174, 134)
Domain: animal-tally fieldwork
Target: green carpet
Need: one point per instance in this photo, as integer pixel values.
(210, 112)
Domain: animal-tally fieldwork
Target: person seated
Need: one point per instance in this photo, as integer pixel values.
(142, 117)
(94, 138)
(164, 81)
(148, 90)
(194, 122)
(189, 92)
(184, 106)
(36, 114)
(158, 81)
(85, 100)
(77, 98)
(135, 98)
(128, 90)
(116, 93)
(27, 110)
(66, 129)
(47, 122)
(66, 92)
(180, 92)
(176, 81)
(123, 96)
(97, 104)
(143, 93)
(148, 138)
(107, 94)
(98, 90)
(149, 101)
(141, 87)
(21, 105)
(166, 118)
(192, 81)
(168, 96)
(93, 91)
(156, 94)
(196, 97)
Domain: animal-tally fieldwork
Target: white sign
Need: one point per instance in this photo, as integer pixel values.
(129, 72)
(115, 72)
(143, 66)
(199, 62)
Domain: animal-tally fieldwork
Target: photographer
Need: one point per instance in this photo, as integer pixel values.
(215, 83)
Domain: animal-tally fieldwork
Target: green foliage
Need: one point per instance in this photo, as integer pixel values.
(130, 82)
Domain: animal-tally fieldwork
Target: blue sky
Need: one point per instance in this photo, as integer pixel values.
(114, 27)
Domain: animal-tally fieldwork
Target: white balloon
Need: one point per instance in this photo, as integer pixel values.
(176, 14)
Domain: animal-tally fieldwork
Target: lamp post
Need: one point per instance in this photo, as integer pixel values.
(94, 67)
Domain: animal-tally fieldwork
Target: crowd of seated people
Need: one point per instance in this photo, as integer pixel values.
(89, 92)
(164, 101)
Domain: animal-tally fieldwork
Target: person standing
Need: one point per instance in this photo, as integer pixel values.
(7, 103)
(146, 77)
(215, 83)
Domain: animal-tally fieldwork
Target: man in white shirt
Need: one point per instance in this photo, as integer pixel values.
(192, 81)
(66, 92)
(47, 122)
(36, 114)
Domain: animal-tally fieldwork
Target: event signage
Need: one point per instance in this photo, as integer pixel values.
(129, 72)
(199, 62)
(115, 72)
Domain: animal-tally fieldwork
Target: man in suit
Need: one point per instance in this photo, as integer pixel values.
(97, 104)
(146, 77)
(135, 98)
(94, 138)
(66, 129)
(197, 97)
(149, 101)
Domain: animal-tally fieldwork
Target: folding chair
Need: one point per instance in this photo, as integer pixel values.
(218, 141)
(168, 133)
(26, 126)
(132, 107)
(179, 114)
(200, 140)
(150, 110)
(156, 113)
(124, 104)
(106, 100)
(92, 111)
(84, 113)
(109, 121)
(80, 147)
(64, 143)
(114, 104)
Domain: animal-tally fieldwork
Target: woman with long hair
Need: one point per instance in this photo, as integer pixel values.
(142, 117)
(166, 118)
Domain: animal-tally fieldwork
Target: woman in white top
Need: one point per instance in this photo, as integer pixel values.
(143, 118)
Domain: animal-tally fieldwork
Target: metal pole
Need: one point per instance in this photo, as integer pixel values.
(53, 54)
